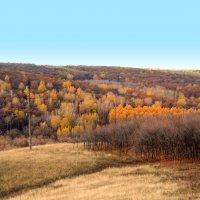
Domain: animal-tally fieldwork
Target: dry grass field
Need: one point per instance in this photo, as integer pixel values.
(23, 169)
(61, 172)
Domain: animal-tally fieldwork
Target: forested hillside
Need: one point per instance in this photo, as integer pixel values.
(153, 113)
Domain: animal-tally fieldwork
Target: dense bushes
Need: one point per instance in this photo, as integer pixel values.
(8, 142)
(152, 138)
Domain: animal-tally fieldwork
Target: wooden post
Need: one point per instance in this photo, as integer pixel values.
(29, 114)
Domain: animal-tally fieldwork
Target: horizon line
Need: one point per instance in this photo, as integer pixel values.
(99, 65)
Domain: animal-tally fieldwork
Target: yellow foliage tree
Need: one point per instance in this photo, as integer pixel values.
(66, 84)
(21, 86)
(137, 102)
(55, 121)
(53, 94)
(78, 129)
(19, 114)
(89, 121)
(42, 108)
(49, 85)
(4, 86)
(181, 102)
(15, 101)
(38, 100)
(26, 91)
(7, 78)
(66, 122)
(69, 97)
(62, 132)
(79, 92)
(88, 105)
(42, 86)
(158, 104)
(70, 76)
(67, 108)
(95, 77)
(72, 89)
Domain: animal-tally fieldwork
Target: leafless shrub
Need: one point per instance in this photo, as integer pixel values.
(168, 137)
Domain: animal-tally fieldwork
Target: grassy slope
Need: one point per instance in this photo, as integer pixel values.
(137, 182)
(21, 169)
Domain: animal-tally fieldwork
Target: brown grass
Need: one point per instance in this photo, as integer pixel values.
(21, 170)
(141, 182)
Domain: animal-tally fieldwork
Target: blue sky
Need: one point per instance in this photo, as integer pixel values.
(142, 33)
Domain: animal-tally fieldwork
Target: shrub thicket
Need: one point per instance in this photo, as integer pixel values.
(171, 137)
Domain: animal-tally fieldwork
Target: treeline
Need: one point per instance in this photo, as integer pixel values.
(170, 137)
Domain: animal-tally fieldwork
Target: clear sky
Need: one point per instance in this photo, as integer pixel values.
(142, 33)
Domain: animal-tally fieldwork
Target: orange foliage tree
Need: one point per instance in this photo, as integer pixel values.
(121, 113)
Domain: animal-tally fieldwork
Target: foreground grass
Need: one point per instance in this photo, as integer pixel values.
(137, 182)
(24, 169)
(62, 172)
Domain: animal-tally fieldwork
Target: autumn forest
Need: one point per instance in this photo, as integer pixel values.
(152, 114)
